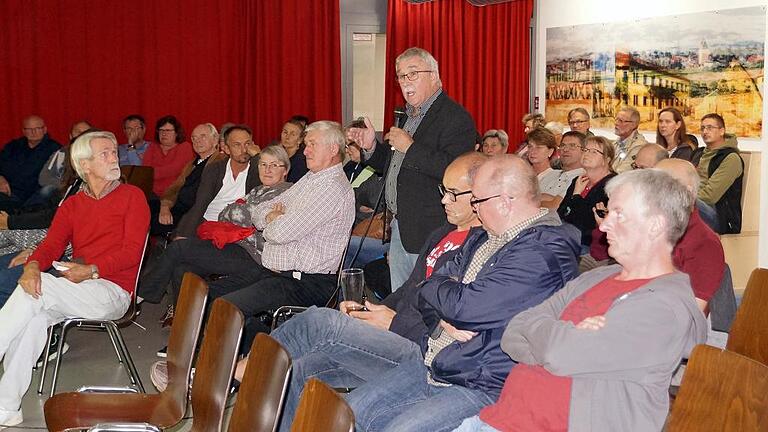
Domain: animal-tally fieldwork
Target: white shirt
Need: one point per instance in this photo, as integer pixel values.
(231, 189)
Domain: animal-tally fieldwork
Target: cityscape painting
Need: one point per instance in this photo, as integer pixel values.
(699, 63)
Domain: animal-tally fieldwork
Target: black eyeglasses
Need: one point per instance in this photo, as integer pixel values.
(475, 201)
(443, 192)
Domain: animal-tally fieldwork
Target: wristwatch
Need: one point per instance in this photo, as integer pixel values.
(94, 271)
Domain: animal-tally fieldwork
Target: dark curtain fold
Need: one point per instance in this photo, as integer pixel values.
(229, 60)
(483, 53)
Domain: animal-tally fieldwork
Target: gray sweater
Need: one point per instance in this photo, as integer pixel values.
(621, 373)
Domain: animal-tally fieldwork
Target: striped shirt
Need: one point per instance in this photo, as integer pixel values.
(312, 234)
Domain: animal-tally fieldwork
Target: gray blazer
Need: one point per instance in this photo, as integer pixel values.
(621, 373)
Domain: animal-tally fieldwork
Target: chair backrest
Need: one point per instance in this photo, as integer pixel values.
(130, 313)
(721, 391)
(215, 366)
(322, 409)
(263, 387)
(140, 176)
(185, 332)
(749, 332)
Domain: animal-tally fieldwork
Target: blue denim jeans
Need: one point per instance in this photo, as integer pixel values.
(402, 400)
(9, 277)
(401, 262)
(708, 214)
(372, 249)
(339, 350)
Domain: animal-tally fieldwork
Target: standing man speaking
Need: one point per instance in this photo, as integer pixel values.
(415, 154)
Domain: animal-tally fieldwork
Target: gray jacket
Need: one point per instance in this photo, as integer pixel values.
(621, 373)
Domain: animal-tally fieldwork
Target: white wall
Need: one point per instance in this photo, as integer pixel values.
(559, 13)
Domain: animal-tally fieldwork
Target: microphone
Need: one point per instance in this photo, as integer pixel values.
(400, 117)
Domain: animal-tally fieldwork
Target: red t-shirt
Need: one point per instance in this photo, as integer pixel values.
(532, 398)
(167, 166)
(452, 240)
(108, 232)
(700, 255)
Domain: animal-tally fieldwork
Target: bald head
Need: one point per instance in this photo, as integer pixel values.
(682, 171)
(649, 155)
(515, 176)
(34, 129)
(464, 167)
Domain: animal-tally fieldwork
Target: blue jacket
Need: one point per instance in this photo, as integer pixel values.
(522, 274)
(21, 165)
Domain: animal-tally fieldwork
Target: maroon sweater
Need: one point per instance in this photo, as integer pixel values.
(108, 232)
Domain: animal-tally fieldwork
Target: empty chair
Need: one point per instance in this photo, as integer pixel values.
(721, 391)
(322, 409)
(140, 176)
(263, 388)
(69, 410)
(749, 332)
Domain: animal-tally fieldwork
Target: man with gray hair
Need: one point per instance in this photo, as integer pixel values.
(99, 287)
(436, 131)
(600, 353)
(649, 155)
(629, 139)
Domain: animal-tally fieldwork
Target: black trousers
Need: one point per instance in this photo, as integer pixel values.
(259, 290)
(200, 257)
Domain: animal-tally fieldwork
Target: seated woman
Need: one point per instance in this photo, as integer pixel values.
(589, 189)
(168, 154)
(671, 134)
(291, 139)
(541, 147)
(179, 197)
(194, 254)
(495, 141)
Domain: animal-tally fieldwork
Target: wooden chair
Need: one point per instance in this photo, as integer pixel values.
(112, 327)
(70, 410)
(749, 331)
(322, 409)
(140, 176)
(721, 391)
(263, 388)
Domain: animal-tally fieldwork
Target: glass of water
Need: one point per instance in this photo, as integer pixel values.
(352, 284)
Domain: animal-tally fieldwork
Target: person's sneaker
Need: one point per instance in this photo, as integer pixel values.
(167, 319)
(162, 352)
(158, 373)
(10, 418)
(51, 352)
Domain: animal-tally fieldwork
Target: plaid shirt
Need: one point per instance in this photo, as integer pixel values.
(312, 234)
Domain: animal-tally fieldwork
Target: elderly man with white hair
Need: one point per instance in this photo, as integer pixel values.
(599, 354)
(99, 287)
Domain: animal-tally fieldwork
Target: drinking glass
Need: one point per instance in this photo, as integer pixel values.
(352, 283)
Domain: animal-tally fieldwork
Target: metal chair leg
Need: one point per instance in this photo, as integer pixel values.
(114, 344)
(45, 359)
(133, 374)
(59, 354)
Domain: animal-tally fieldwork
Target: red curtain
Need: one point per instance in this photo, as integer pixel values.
(228, 60)
(483, 53)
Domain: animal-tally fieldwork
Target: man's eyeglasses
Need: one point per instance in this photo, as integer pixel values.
(565, 146)
(270, 165)
(635, 166)
(198, 138)
(34, 129)
(443, 192)
(412, 75)
(592, 150)
(474, 201)
(576, 122)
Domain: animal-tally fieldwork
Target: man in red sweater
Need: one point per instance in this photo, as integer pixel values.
(106, 222)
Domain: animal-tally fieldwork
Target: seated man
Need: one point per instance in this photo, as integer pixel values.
(721, 170)
(628, 141)
(353, 346)
(21, 161)
(222, 183)
(524, 255)
(305, 230)
(599, 354)
(571, 145)
(99, 288)
(699, 252)
(179, 197)
(649, 155)
(132, 152)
